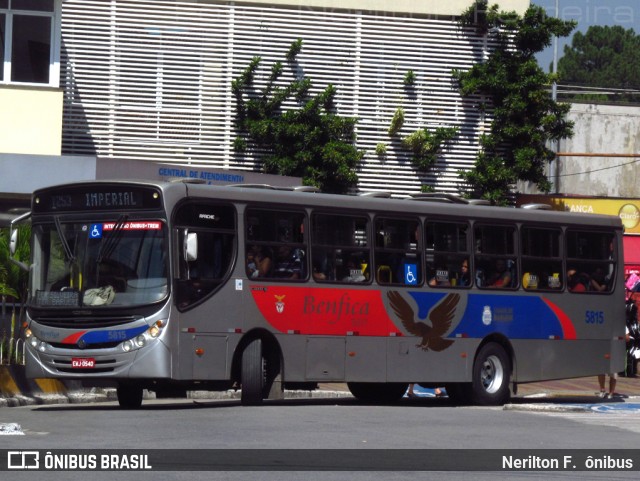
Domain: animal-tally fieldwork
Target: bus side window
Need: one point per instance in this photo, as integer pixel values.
(275, 244)
(495, 256)
(591, 254)
(340, 248)
(202, 272)
(447, 251)
(396, 256)
(541, 259)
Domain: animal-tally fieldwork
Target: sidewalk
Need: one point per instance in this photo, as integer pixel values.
(584, 386)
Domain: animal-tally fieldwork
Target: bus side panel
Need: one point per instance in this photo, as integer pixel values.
(407, 362)
(563, 359)
(210, 356)
(366, 360)
(325, 358)
(294, 357)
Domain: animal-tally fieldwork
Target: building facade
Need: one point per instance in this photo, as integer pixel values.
(150, 81)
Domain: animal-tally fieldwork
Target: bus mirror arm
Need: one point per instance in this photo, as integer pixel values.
(190, 246)
(13, 241)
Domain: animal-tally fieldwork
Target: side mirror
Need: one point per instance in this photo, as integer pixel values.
(190, 246)
(13, 242)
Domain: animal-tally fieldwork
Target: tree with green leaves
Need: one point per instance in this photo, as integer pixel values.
(14, 280)
(603, 57)
(297, 133)
(525, 117)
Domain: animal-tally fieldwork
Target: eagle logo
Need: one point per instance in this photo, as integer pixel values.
(440, 316)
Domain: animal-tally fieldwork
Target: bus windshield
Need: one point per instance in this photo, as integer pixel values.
(81, 264)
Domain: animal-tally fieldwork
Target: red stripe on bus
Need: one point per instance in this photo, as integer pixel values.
(568, 330)
(73, 338)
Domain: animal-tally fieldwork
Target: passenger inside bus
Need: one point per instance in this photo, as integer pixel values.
(289, 263)
(598, 281)
(577, 282)
(501, 277)
(258, 262)
(320, 268)
(464, 277)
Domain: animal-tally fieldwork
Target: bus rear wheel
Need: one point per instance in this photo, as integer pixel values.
(252, 374)
(379, 393)
(129, 396)
(491, 374)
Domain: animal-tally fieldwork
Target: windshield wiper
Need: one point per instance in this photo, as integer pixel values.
(110, 243)
(63, 240)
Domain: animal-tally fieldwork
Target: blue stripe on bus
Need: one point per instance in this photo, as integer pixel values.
(112, 335)
(518, 317)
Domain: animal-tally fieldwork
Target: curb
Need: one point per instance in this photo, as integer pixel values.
(16, 390)
(109, 395)
(15, 386)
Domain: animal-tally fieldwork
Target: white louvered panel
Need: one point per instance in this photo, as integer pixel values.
(150, 80)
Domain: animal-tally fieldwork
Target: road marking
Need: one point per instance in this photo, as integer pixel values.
(603, 415)
(10, 429)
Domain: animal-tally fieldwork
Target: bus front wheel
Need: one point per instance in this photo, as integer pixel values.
(129, 396)
(491, 374)
(253, 374)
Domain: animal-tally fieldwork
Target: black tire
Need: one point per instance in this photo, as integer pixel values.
(491, 376)
(253, 374)
(378, 393)
(129, 396)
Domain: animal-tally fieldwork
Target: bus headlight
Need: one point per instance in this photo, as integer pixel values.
(140, 341)
(30, 338)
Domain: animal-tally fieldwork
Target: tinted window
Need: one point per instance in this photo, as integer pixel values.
(340, 248)
(397, 258)
(495, 256)
(213, 228)
(541, 262)
(591, 261)
(275, 244)
(447, 254)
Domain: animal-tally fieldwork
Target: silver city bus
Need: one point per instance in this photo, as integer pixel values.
(178, 286)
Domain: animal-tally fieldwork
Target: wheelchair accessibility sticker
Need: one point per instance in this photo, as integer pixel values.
(616, 408)
(410, 274)
(95, 231)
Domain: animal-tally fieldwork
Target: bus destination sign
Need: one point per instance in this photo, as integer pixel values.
(96, 198)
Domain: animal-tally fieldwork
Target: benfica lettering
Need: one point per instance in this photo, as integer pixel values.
(337, 308)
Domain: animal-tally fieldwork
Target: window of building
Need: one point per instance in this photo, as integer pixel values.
(541, 261)
(29, 41)
(397, 257)
(340, 248)
(447, 254)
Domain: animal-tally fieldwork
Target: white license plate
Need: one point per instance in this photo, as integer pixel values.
(83, 363)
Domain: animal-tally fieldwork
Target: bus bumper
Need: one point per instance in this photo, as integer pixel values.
(151, 362)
